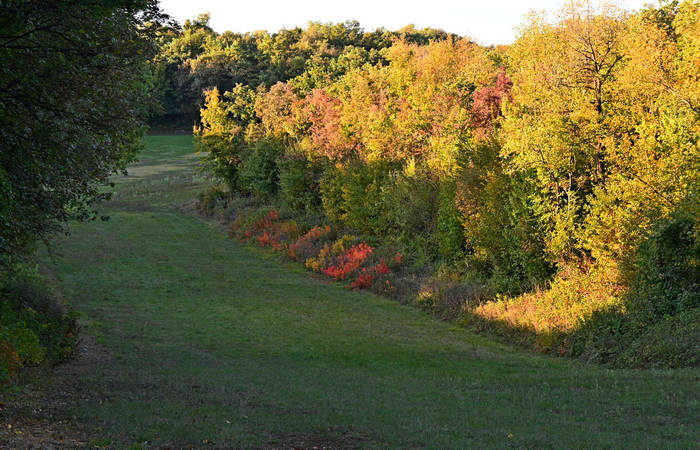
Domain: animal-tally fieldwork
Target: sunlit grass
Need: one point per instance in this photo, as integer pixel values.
(164, 176)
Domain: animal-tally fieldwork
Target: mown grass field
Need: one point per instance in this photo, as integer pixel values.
(216, 344)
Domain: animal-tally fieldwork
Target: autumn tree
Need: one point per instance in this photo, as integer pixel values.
(604, 124)
(221, 133)
(653, 131)
(557, 125)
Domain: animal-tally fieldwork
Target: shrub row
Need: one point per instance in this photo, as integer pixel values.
(346, 259)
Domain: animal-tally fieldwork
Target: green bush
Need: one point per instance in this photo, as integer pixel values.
(299, 183)
(222, 157)
(410, 205)
(259, 174)
(667, 267)
(365, 210)
(502, 227)
(352, 196)
(21, 337)
(670, 342)
(620, 338)
(450, 231)
(331, 187)
(658, 323)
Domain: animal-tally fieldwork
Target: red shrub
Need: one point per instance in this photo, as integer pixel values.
(349, 261)
(363, 280)
(381, 268)
(486, 106)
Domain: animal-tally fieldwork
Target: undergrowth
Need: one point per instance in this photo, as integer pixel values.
(35, 326)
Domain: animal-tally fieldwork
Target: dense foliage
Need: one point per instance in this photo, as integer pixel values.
(561, 173)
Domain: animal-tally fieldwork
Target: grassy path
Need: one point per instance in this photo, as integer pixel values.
(215, 344)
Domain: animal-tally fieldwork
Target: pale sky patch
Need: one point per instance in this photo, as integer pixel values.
(488, 22)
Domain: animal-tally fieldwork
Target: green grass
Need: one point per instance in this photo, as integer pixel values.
(215, 341)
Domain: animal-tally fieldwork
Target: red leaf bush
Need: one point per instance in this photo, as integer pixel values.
(340, 261)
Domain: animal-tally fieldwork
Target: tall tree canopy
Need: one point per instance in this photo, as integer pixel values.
(74, 90)
(194, 59)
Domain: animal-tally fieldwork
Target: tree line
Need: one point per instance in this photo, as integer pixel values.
(560, 170)
(194, 58)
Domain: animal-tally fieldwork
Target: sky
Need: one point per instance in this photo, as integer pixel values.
(488, 22)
